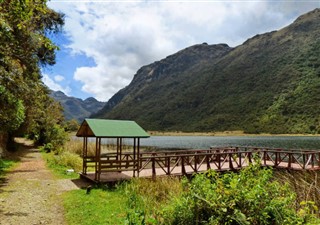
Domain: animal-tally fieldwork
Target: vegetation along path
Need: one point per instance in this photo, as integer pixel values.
(30, 194)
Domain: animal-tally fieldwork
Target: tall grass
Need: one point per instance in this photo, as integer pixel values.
(144, 201)
(67, 157)
(145, 198)
(305, 184)
(76, 147)
(123, 204)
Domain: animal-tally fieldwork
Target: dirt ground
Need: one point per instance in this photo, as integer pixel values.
(30, 194)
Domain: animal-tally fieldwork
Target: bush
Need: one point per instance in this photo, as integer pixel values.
(68, 160)
(145, 198)
(247, 197)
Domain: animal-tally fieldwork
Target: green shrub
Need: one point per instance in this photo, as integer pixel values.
(248, 197)
(146, 198)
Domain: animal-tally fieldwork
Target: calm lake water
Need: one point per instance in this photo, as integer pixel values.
(205, 142)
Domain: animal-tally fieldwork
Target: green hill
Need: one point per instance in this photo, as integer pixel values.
(270, 83)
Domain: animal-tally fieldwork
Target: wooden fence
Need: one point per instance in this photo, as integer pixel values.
(152, 164)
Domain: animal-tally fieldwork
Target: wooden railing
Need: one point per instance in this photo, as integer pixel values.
(194, 161)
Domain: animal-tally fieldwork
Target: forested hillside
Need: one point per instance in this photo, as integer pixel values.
(26, 108)
(270, 83)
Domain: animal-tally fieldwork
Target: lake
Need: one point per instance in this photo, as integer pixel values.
(205, 142)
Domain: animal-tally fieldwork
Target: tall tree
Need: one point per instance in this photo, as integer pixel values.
(24, 29)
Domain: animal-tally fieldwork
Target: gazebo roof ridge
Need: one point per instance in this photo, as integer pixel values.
(106, 128)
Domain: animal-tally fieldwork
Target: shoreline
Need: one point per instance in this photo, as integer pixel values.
(223, 133)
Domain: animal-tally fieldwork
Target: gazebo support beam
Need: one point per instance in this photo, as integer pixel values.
(84, 155)
(138, 156)
(134, 157)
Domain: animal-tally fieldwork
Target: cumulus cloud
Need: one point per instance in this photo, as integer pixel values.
(123, 36)
(53, 85)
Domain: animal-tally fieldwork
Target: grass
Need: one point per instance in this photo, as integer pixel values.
(101, 206)
(140, 198)
(5, 166)
(305, 184)
(113, 205)
(59, 164)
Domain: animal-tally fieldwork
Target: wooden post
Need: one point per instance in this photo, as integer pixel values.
(138, 157)
(99, 158)
(208, 161)
(230, 161)
(168, 166)
(290, 159)
(250, 157)
(153, 164)
(304, 160)
(84, 155)
(120, 148)
(240, 159)
(196, 163)
(183, 169)
(134, 157)
(96, 160)
(117, 157)
(219, 161)
(277, 158)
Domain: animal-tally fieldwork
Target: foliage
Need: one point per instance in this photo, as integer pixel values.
(145, 198)
(13, 111)
(249, 197)
(252, 196)
(72, 125)
(60, 163)
(5, 165)
(304, 183)
(24, 101)
(45, 123)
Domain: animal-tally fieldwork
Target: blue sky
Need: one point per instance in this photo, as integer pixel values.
(104, 43)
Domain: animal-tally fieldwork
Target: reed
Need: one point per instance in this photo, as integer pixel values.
(306, 185)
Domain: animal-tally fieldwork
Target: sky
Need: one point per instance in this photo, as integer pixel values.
(104, 42)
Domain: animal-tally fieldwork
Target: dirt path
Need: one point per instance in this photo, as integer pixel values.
(30, 194)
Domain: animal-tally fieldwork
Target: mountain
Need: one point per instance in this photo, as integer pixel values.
(270, 83)
(76, 108)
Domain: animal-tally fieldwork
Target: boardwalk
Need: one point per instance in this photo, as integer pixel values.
(112, 167)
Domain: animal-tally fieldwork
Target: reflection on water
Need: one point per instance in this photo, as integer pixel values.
(205, 142)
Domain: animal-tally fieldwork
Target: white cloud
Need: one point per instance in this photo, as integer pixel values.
(121, 37)
(58, 78)
(51, 84)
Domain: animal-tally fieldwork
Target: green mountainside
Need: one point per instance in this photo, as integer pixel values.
(270, 83)
(75, 108)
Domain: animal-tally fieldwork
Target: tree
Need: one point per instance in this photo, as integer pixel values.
(25, 46)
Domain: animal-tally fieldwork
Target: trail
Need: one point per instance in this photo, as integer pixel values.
(30, 194)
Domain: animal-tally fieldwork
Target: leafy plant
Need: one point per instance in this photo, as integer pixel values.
(248, 197)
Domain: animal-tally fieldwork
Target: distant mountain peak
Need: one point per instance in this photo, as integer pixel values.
(76, 108)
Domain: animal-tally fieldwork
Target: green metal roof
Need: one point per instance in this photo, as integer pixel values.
(111, 128)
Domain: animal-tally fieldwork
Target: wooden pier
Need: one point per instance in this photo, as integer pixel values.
(112, 167)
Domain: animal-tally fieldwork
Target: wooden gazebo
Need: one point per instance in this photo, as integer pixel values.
(107, 162)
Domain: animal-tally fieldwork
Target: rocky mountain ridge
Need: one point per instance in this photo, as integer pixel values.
(76, 108)
(270, 83)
